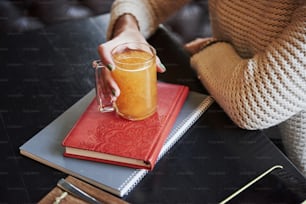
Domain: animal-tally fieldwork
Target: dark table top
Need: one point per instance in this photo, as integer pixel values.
(44, 72)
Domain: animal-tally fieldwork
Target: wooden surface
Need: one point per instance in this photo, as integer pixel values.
(100, 195)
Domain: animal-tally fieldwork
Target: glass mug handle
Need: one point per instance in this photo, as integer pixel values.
(103, 95)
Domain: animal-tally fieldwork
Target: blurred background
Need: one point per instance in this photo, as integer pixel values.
(27, 15)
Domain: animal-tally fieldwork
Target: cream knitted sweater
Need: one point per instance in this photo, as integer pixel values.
(259, 76)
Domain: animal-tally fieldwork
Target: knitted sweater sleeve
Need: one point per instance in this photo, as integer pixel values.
(264, 90)
(148, 13)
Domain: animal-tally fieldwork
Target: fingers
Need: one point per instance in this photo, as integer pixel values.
(160, 67)
(104, 51)
(195, 45)
(109, 84)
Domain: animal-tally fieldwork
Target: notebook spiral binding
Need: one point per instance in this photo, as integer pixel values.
(175, 135)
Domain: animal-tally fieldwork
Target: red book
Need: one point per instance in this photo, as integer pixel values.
(108, 138)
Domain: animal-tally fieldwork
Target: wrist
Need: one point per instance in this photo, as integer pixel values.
(211, 41)
(126, 22)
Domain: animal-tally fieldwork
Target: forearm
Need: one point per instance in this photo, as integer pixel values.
(255, 93)
(263, 90)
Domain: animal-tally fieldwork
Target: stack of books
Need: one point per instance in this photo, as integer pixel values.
(110, 152)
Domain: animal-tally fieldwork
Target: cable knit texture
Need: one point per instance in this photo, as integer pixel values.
(259, 76)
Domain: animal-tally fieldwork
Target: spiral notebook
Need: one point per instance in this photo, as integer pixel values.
(45, 147)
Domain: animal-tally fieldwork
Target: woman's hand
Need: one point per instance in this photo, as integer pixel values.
(196, 45)
(125, 30)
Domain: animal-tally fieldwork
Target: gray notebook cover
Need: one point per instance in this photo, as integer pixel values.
(45, 146)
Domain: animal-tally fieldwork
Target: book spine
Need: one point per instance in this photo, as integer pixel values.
(173, 113)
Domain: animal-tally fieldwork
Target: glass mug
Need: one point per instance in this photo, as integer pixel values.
(135, 74)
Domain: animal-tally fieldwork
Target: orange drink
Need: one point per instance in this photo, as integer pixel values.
(135, 74)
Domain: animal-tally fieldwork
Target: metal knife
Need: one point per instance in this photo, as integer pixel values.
(75, 191)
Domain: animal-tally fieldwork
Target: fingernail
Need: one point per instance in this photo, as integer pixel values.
(110, 67)
(114, 92)
(162, 66)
